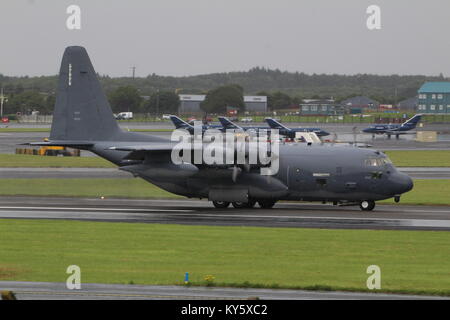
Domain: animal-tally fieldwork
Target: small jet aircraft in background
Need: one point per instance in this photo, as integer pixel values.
(229, 125)
(394, 129)
(181, 124)
(290, 132)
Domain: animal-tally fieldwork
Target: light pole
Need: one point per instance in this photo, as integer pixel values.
(2, 100)
(157, 102)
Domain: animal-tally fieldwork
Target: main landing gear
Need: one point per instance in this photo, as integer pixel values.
(221, 204)
(265, 204)
(367, 205)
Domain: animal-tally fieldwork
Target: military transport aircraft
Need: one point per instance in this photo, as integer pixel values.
(290, 132)
(341, 175)
(394, 129)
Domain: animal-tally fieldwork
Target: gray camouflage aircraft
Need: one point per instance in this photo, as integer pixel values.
(341, 175)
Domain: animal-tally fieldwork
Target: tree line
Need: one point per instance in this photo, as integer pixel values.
(158, 94)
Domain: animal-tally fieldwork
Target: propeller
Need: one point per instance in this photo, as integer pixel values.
(236, 172)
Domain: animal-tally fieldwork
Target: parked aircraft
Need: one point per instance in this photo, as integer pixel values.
(394, 129)
(341, 175)
(181, 124)
(229, 125)
(290, 132)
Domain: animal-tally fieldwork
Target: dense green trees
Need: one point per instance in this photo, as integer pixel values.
(28, 101)
(218, 99)
(280, 86)
(162, 102)
(278, 100)
(125, 99)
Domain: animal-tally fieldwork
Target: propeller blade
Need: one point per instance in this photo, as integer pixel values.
(235, 174)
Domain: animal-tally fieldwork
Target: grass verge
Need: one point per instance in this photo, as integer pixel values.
(90, 188)
(425, 192)
(41, 250)
(420, 158)
(12, 130)
(30, 161)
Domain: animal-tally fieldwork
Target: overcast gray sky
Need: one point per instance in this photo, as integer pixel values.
(187, 37)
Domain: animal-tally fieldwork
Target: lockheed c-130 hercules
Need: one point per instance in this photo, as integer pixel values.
(341, 175)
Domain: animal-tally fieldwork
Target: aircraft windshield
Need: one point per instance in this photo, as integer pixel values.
(377, 162)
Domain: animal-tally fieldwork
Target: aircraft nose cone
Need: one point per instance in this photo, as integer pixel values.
(402, 183)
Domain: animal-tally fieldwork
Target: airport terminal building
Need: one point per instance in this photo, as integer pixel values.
(190, 103)
(434, 98)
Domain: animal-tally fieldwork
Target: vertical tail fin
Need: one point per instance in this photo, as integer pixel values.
(274, 124)
(82, 111)
(179, 123)
(227, 124)
(413, 121)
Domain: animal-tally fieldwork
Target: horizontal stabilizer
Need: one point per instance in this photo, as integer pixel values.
(62, 143)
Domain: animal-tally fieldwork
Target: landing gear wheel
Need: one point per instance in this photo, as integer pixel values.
(251, 203)
(240, 205)
(266, 204)
(367, 205)
(221, 204)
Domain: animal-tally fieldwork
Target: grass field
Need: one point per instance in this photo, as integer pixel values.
(425, 192)
(95, 188)
(30, 161)
(12, 130)
(41, 250)
(420, 158)
(401, 158)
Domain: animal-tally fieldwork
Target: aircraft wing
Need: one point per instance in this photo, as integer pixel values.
(138, 152)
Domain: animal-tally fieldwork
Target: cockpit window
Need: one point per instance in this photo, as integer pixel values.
(372, 162)
(376, 162)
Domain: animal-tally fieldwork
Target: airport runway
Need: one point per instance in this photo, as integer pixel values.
(105, 173)
(58, 291)
(199, 212)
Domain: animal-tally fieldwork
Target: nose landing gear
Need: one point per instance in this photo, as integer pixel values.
(367, 205)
